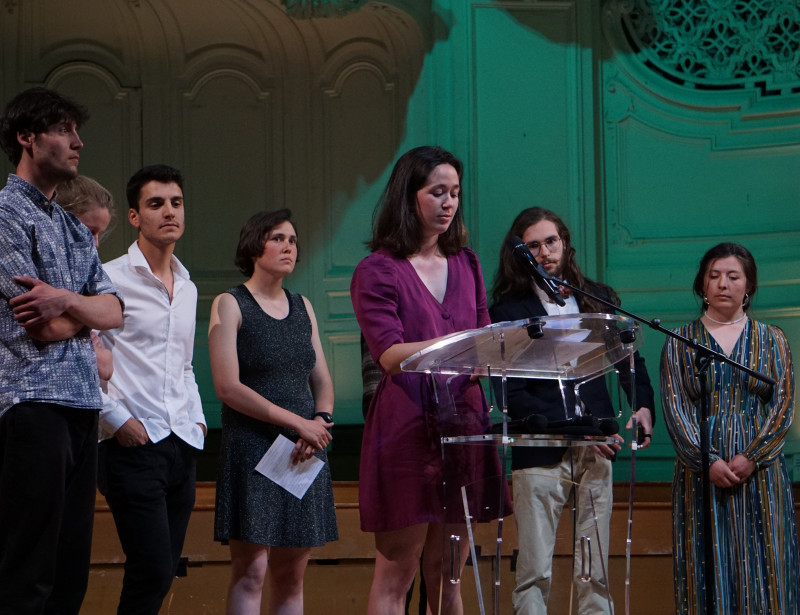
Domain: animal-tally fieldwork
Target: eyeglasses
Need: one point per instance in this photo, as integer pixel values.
(551, 243)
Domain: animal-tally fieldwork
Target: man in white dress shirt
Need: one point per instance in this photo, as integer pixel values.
(152, 419)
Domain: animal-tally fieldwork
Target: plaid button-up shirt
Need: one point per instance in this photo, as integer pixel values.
(40, 240)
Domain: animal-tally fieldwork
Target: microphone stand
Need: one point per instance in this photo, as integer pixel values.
(702, 361)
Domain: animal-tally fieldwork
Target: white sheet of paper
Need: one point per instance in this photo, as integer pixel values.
(276, 464)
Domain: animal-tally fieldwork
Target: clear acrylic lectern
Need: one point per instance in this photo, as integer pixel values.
(571, 349)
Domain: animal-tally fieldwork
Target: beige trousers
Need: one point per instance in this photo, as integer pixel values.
(540, 494)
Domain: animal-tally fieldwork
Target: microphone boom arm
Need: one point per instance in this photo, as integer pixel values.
(656, 324)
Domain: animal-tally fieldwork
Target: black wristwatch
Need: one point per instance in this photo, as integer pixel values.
(326, 416)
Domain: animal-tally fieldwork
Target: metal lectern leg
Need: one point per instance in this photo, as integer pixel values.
(472, 552)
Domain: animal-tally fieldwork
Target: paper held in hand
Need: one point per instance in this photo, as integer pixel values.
(276, 464)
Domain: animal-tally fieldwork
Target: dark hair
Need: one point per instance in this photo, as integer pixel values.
(160, 173)
(512, 278)
(395, 224)
(724, 250)
(34, 111)
(253, 235)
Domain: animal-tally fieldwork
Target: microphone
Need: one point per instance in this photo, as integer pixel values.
(577, 421)
(609, 427)
(540, 276)
(577, 426)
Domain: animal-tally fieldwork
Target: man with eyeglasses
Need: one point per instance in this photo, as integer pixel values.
(542, 476)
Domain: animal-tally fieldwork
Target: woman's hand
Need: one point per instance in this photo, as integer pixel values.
(303, 451)
(315, 433)
(105, 362)
(721, 475)
(742, 467)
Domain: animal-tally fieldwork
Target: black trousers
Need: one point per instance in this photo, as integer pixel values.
(150, 490)
(48, 469)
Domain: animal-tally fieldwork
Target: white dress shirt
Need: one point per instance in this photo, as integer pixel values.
(153, 379)
(553, 309)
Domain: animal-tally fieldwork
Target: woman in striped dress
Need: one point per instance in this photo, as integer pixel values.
(754, 530)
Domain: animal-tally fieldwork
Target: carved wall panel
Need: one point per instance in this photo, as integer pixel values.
(712, 45)
(114, 110)
(259, 109)
(233, 160)
(701, 134)
(531, 84)
(701, 111)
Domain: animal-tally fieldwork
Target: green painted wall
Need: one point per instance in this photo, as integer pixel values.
(652, 155)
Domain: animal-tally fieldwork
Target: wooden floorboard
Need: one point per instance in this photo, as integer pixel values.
(339, 575)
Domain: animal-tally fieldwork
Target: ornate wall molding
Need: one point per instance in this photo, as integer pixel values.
(701, 110)
(708, 45)
(306, 9)
(259, 108)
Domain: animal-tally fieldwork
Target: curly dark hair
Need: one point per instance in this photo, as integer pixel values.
(514, 280)
(396, 226)
(34, 111)
(253, 235)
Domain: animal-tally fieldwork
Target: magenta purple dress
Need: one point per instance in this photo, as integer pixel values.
(401, 471)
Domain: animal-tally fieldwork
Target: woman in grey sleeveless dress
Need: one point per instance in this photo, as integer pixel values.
(270, 373)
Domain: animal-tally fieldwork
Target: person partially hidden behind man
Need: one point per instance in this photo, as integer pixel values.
(54, 292)
(542, 477)
(152, 416)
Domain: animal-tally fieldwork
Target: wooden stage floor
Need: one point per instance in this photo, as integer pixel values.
(339, 575)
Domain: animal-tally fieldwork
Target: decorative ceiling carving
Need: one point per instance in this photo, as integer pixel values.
(306, 9)
(705, 44)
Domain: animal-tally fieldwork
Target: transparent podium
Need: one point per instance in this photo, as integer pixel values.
(569, 349)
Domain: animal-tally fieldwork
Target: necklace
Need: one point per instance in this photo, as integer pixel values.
(731, 322)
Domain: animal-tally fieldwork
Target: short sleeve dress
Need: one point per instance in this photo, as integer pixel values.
(275, 360)
(401, 470)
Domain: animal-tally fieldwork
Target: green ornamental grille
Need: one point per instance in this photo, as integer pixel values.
(716, 44)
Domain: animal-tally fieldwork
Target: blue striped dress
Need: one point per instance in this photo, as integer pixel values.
(755, 532)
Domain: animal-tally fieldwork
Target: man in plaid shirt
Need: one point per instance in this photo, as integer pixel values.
(54, 291)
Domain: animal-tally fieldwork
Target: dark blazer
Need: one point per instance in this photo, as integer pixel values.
(531, 395)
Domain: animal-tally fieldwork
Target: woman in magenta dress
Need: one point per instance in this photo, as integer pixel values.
(420, 283)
